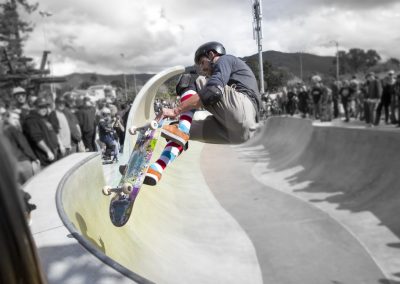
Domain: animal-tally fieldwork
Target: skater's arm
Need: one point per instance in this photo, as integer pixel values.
(193, 102)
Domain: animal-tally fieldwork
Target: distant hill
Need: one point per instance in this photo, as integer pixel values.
(75, 79)
(312, 64)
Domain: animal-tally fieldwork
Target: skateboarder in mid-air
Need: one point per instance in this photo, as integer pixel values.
(227, 89)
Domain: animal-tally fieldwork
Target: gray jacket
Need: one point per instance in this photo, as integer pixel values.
(230, 70)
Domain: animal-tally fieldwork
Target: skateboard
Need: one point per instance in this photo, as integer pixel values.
(133, 173)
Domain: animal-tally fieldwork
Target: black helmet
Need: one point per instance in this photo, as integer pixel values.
(207, 47)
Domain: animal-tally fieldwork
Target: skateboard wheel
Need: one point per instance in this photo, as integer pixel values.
(154, 125)
(132, 130)
(127, 188)
(106, 190)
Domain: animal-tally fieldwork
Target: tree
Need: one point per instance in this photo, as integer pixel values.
(14, 31)
(357, 59)
(372, 58)
(84, 85)
(274, 77)
(94, 78)
(343, 63)
(394, 61)
(117, 84)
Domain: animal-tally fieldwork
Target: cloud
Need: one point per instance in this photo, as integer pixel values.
(348, 27)
(274, 9)
(85, 36)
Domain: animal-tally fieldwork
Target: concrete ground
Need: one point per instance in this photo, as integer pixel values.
(297, 204)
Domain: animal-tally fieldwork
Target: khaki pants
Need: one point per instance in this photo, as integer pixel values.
(231, 120)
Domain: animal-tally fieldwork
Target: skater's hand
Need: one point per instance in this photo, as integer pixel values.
(168, 112)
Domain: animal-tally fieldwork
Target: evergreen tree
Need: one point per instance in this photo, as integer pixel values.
(14, 31)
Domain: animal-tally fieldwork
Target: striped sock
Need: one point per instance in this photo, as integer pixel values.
(170, 152)
(172, 149)
(185, 120)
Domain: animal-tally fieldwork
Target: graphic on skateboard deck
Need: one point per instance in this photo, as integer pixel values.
(133, 173)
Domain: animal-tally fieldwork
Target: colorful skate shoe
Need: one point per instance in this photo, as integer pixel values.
(173, 133)
(152, 177)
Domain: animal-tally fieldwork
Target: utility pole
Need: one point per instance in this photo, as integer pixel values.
(126, 93)
(45, 15)
(301, 65)
(337, 58)
(257, 34)
(134, 82)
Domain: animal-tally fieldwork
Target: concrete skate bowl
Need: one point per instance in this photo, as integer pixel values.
(351, 174)
(182, 232)
(174, 233)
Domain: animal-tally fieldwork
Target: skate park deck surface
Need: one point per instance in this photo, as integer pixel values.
(296, 204)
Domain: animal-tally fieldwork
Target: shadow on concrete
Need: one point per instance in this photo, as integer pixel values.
(79, 268)
(355, 169)
(84, 231)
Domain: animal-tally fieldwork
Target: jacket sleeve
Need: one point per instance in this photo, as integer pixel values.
(222, 70)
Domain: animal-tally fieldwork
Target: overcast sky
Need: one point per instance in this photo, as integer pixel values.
(143, 36)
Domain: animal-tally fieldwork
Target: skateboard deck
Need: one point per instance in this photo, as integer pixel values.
(133, 173)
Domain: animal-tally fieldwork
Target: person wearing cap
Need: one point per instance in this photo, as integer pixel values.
(27, 162)
(20, 102)
(372, 96)
(41, 134)
(227, 89)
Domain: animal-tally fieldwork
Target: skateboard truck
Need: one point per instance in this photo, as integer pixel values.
(152, 125)
(126, 188)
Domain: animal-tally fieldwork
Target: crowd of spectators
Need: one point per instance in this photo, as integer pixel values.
(43, 129)
(357, 99)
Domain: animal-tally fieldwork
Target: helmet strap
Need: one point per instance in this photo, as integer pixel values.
(211, 55)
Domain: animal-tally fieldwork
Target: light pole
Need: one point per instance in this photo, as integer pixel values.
(126, 93)
(337, 58)
(134, 82)
(301, 65)
(257, 34)
(45, 15)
